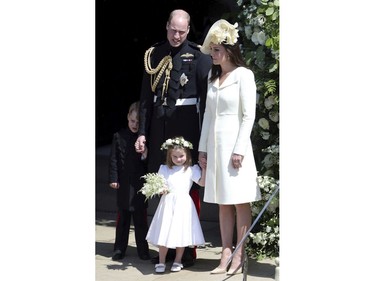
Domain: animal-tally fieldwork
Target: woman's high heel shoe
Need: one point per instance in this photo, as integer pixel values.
(238, 270)
(221, 270)
(218, 270)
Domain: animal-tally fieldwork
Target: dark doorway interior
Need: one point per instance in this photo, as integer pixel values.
(121, 42)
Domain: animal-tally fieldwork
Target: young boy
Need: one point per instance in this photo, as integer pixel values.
(125, 170)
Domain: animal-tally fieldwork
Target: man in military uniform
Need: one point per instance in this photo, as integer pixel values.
(173, 97)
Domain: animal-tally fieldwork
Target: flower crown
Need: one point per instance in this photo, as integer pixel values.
(178, 141)
(221, 32)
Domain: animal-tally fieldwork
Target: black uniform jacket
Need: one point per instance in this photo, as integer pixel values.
(126, 168)
(159, 122)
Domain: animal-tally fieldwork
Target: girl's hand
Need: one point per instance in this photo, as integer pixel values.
(202, 159)
(237, 160)
(164, 191)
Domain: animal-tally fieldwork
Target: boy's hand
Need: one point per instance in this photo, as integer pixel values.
(140, 144)
(114, 185)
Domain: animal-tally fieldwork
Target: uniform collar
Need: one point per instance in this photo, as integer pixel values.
(176, 50)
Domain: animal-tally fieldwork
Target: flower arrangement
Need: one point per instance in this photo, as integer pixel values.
(155, 184)
(177, 141)
(264, 240)
(258, 23)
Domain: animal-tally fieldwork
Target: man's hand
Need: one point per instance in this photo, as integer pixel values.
(140, 144)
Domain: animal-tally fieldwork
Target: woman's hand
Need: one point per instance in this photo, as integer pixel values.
(237, 160)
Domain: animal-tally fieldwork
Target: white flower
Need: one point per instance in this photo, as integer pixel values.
(248, 31)
(259, 238)
(264, 124)
(178, 141)
(155, 184)
(261, 20)
(269, 102)
(259, 38)
(274, 116)
(183, 79)
(276, 229)
(265, 135)
(272, 237)
(269, 160)
(273, 205)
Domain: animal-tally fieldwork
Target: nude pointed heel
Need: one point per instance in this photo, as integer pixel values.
(218, 270)
(239, 269)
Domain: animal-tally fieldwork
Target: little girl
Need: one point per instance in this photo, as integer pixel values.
(176, 223)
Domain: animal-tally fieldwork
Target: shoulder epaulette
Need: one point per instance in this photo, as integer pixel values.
(194, 45)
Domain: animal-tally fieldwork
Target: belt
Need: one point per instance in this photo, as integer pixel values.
(181, 102)
(189, 101)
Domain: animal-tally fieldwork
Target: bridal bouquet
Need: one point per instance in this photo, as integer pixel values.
(155, 185)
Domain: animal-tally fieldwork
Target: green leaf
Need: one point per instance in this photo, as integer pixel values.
(269, 11)
(273, 68)
(275, 15)
(269, 42)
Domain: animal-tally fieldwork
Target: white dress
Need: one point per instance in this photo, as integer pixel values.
(176, 222)
(227, 124)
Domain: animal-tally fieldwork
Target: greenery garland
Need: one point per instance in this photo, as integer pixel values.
(259, 26)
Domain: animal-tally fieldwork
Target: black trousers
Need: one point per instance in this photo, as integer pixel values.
(140, 228)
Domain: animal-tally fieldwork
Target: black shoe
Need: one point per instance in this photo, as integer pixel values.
(155, 259)
(118, 255)
(187, 263)
(188, 259)
(146, 257)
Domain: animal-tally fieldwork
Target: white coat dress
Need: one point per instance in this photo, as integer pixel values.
(227, 124)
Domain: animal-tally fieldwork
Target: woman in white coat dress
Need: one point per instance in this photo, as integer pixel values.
(225, 146)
